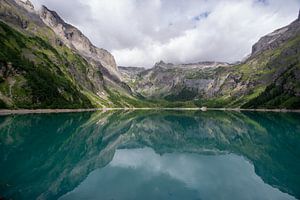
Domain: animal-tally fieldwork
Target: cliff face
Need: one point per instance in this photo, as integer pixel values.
(75, 40)
(277, 38)
(175, 82)
(26, 4)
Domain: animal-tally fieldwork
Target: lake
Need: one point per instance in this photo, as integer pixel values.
(150, 155)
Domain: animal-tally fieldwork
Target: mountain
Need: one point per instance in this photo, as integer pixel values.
(76, 41)
(268, 78)
(47, 63)
(174, 82)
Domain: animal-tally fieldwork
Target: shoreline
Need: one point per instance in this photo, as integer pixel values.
(40, 111)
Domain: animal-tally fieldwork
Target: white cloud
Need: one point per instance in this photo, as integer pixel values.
(142, 32)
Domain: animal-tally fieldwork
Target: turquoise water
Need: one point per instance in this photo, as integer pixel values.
(150, 155)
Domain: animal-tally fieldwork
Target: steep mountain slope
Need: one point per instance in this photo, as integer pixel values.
(174, 82)
(284, 88)
(39, 83)
(74, 39)
(43, 67)
(269, 78)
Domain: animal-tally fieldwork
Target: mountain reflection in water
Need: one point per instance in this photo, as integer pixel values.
(150, 154)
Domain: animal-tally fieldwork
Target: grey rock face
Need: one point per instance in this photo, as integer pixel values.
(130, 73)
(19, 13)
(97, 57)
(166, 79)
(26, 4)
(276, 38)
(74, 39)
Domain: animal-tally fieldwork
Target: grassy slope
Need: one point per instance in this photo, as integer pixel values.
(36, 74)
(269, 80)
(35, 78)
(284, 90)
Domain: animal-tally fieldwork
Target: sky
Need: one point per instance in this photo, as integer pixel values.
(143, 32)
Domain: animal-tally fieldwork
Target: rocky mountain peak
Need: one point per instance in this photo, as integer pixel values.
(276, 38)
(75, 39)
(199, 65)
(51, 17)
(25, 4)
(162, 64)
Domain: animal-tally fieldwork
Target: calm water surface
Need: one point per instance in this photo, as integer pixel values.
(150, 155)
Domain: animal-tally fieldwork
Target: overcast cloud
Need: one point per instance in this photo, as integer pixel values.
(142, 32)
